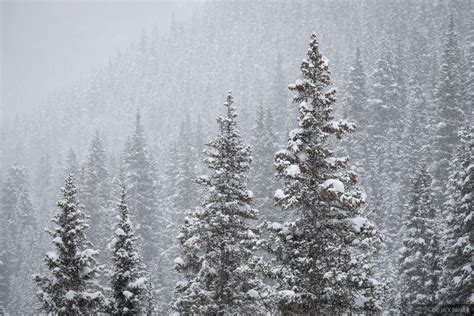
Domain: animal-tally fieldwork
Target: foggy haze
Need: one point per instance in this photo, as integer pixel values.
(47, 45)
(237, 157)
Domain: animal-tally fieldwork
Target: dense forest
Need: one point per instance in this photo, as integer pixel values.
(338, 176)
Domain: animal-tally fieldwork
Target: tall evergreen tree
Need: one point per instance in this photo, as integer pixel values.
(140, 177)
(381, 95)
(468, 83)
(162, 269)
(179, 193)
(151, 220)
(384, 163)
(356, 96)
(401, 80)
(419, 254)
(416, 132)
(217, 241)
(449, 114)
(42, 184)
(17, 216)
(263, 182)
(421, 60)
(388, 102)
(130, 286)
(170, 173)
(184, 191)
(355, 103)
(16, 206)
(316, 252)
(71, 289)
(457, 283)
(96, 191)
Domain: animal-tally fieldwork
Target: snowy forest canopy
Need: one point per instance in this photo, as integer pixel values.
(337, 178)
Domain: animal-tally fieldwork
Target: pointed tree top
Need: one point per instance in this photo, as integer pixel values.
(451, 31)
(423, 162)
(315, 73)
(123, 192)
(313, 45)
(451, 23)
(138, 122)
(229, 104)
(70, 184)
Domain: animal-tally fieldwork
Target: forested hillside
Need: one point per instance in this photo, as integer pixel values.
(133, 135)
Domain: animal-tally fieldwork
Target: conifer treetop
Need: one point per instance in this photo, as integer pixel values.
(72, 287)
(316, 265)
(308, 143)
(216, 239)
(129, 279)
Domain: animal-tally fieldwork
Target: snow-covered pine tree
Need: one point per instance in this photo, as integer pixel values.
(151, 220)
(468, 82)
(71, 289)
(384, 159)
(170, 173)
(395, 134)
(457, 283)
(388, 101)
(179, 195)
(419, 255)
(140, 177)
(129, 282)
(355, 97)
(422, 66)
(317, 266)
(449, 115)
(433, 261)
(355, 103)
(401, 84)
(416, 134)
(199, 136)
(263, 181)
(17, 216)
(184, 191)
(42, 184)
(420, 61)
(96, 192)
(16, 207)
(218, 243)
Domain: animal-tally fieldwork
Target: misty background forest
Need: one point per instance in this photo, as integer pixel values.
(269, 157)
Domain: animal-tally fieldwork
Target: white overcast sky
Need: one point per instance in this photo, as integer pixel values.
(47, 44)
